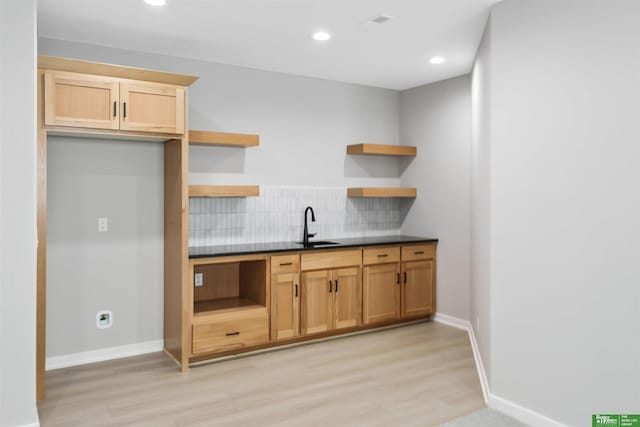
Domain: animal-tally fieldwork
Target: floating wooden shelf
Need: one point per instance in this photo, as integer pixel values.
(382, 192)
(221, 139)
(224, 190)
(382, 150)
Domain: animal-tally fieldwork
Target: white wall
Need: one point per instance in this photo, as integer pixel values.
(437, 119)
(17, 212)
(304, 125)
(481, 200)
(565, 204)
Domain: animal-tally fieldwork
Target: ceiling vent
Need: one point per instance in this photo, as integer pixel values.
(375, 21)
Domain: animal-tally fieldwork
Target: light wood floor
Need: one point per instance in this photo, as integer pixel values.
(418, 375)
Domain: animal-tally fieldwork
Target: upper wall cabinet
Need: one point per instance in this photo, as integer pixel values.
(81, 100)
(100, 102)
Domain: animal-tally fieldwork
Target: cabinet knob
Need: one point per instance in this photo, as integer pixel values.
(229, 334)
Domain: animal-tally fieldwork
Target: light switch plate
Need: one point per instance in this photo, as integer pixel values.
(103, 224)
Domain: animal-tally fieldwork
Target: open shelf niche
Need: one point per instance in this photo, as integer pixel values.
(230, 286)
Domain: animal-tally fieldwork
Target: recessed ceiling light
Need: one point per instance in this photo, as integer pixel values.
(155, 2)
(321, 36)
(437, 60)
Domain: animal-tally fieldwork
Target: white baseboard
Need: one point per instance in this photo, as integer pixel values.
(521, 413)
(498, 403)
(466, 325)
(64, 361)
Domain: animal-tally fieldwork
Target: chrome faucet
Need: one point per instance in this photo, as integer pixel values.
(306, 234)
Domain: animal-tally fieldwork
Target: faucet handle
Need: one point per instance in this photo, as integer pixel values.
(311, 234)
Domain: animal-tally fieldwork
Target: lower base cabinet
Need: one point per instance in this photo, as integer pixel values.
(417, 288)
(330, 300)
(381, 294)
(285, 306)
(244, 303)
(229, 330)
(398, 290)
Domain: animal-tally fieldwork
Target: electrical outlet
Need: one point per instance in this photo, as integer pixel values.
(104, 319)
(198, 280)
(103, 224)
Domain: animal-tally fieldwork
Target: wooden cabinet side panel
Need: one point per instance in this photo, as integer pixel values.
(417, 288)
(177, 303)
(381, 293)
(315, 300)
(347, 297)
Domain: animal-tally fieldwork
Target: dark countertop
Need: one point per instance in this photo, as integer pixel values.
(256, 248)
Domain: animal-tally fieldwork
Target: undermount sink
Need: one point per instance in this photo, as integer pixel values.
(319, 243)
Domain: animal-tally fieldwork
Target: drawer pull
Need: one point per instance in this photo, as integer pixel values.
(336, 285)
(114, 108)
(284, 264)
(383, 255)
(405, 277)
(229, 334)
(330, 286)
(296, 290)
(418, 253)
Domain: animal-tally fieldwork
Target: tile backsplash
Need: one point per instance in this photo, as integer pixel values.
(277, 215)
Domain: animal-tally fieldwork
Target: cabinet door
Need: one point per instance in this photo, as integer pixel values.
(151, 107)
(381, 293)
(417, 288)
(347, 297)
(316, 301)
(285, 306)
(80, 100)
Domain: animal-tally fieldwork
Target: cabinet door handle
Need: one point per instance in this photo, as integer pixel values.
(296, 290)
(336, 285)
(418, 253)
(284, 264)
(330, 285)
(382, 255)
(115, 106)
(124, 109)
(398, 279)
(229, 334)
(405, 277)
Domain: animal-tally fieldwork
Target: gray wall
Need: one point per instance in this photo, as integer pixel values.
(437, 119)
(304, 125)
(481, 201)
(120, 270)
(17, 212)
(565, 204)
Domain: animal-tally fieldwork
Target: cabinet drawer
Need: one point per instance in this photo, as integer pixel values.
(335, 259)
(285, 263)
(230, 330)
(418, 252)
(381, 255)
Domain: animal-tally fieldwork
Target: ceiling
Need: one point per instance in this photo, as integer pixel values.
(275, 35)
